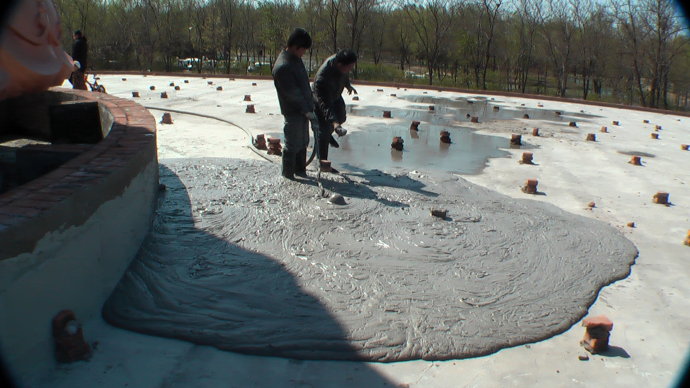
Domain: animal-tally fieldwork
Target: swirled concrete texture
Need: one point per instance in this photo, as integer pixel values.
(244, 260)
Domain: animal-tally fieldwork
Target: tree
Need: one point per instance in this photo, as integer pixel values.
(380, 21)
(491, 7)
(227, 11)
(358, 14)
(274, 16)
(628, 15)
(431, 21)
(527, 29)
(664, 26)
(558, 31)
(332, 15)
(628, 50)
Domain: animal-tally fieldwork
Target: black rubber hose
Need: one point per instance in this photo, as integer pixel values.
(254, 149)
(314, 150)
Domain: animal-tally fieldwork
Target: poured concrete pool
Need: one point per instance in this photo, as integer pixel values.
(261, 266)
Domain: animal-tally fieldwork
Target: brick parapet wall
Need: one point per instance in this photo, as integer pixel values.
(66, 196)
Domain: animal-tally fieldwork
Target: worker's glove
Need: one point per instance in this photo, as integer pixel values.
(340, 131)
(350, 89)
(77, 65)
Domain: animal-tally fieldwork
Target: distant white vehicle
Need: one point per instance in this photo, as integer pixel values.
(187, 63)
(412, 74)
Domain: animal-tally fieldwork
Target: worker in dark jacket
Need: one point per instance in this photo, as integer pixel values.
(296, 103)
(330, 80)
(80, 54)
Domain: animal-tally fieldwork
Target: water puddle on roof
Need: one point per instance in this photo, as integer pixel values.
(371, 149)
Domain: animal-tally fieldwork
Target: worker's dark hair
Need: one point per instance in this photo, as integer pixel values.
(299, 38)
(346, 57)
(78, 33)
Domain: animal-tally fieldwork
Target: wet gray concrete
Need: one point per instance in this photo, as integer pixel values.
(244, 260)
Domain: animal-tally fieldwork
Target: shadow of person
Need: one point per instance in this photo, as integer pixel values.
(615, 351)
(349, 188)
(378, 178)
(191, 280)
(360, 187)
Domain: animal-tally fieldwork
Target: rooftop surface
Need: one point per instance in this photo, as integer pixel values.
(650, 308)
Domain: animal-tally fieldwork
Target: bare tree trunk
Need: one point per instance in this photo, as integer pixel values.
(333, 10)
(492, 8)
(431, 24)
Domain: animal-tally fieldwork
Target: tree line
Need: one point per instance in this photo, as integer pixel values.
(630, 51)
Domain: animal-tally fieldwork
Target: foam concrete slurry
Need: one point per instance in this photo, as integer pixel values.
(265, 268)
(649, 308)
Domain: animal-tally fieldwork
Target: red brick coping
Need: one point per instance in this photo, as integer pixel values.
(68, 195)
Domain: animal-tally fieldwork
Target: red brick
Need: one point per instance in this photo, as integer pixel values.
(598, 321)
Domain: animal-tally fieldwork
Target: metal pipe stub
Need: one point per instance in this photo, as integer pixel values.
(445, 137)
(397, 143)
(527, 158)
(530, 186)
(636, 161)
(516, 139)
(660, 198)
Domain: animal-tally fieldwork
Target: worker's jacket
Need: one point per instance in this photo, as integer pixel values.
(80, 52)
(292, 84)
(328, 89)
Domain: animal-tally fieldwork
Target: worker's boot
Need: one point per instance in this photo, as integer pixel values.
(301, 164)
(323, 154)
(288, 166)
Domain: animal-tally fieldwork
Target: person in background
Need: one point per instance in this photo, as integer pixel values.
(80, 55)
(330, 80)
(296, 103)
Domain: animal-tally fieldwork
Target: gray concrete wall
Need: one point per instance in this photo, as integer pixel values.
(67, 237)
(72, 268)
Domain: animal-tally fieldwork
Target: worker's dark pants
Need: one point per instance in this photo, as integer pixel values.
(324, 139)
(325, 133)
(296, 132)
(77, 80)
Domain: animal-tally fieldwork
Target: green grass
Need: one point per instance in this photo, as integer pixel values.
(380, 72)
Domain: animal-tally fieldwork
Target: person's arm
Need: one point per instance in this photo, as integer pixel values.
(339, 111)
(287, 84)
(325, 92)
(348, 86)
